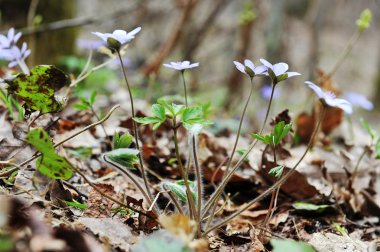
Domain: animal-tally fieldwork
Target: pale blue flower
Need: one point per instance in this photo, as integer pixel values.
(329, 99)
(181, 65)
(278, 72)
(266, 91)
(121, 37)
(6, 42)
(359, 100)
(249, 68)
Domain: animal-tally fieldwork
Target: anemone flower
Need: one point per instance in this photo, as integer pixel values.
(6, 42)
(329, 99)
(359, 100)
(249, 68)
(278, 72)
(181, 65)
(118, 38)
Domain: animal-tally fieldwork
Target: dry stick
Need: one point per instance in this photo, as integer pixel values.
(135, 131)
(214, 198)
(275, 185)
(110, 197)
(190, 198)
(199, 188)
(130, 176)
(233, 149)
(10, 171)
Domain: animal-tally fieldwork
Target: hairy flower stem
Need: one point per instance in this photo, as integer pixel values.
(135, 130)
(184, 86)
(199, 188)
(355, 37)
(190, 198)
(272, 200)
(356, 169)
(214, 198)
(233, 151)
(275, 185)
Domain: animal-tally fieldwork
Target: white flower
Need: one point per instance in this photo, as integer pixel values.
(329, 99)
(359, 100)
(121, 37)
(6, 42)
(249, 68)
(15, 55)
(278, 72)
(181, 65)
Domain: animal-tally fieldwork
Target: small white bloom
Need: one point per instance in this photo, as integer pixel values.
(278, 72)
(6, 42)
(15, 55)
(181, 65)
(121, 36)
(249, 68)
(329, 99)
(359, 100)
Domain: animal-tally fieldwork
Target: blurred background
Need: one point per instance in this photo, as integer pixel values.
(309, 35)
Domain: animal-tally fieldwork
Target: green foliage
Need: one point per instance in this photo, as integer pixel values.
(11, 103)
(375, 137)
(364, 21)
(37, 90)
(248, 14)
(159, 117)
(276, 171)
(193, 115)
(340, 229)
(123, 156)
(179, 189)
(76, 204)
(50, 164)
(241, 153)
(280, 130)
(160, 241)
(304, 206)
(173, 109)
(123, 141)
(86, 103)
(290, 246)
(6, 243)
(81, 152)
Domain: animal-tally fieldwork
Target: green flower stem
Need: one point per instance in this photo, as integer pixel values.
(130, 176)
(218, 191)
(355, 37)
(36, 155)
(275, 185)
(199, 188)
(233, 151)
(184, 86)
(190, 198)
(135, 130)
(356, 169)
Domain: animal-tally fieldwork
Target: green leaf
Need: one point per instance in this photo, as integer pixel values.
(92, 98)
(369, 129)
(124, 156)
(159, 111)
(50, 164)
(81, 106)
(340, 229)
(280, 131)
(191, 113)
(81, 152)
(147, 120)
(304, 206)
(377, 149)
(290, 246)
(177, 189)
(123, 141)
(265, 139)
(37, 90)
(276, 171)
(76, 204)
(242, 152)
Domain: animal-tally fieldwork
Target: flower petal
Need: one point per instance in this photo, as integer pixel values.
(291, 74)
(134, 31)
(249, 64)
(280, 68)
(103, 36)
(266, 63)
(260, 69)
(344, 105)
(316, 89)
(240, 67)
